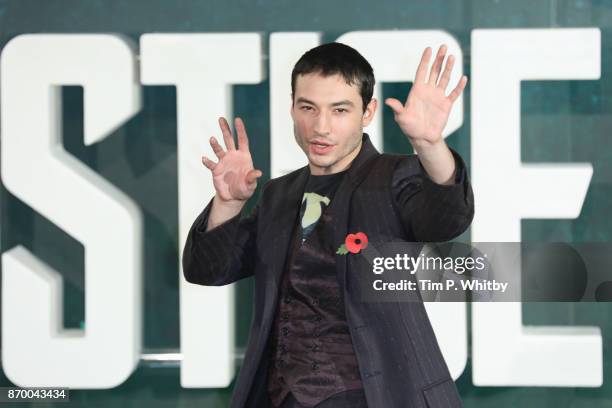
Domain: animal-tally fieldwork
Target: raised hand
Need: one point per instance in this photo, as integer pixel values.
(234, 177)
(424, 115)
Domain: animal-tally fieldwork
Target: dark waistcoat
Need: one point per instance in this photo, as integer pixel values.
(310, 345)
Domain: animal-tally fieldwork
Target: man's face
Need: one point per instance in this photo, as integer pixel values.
(328, 121)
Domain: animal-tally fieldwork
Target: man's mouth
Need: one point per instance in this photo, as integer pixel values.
(320, 147)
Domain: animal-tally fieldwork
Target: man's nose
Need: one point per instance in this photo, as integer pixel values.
(322, 124)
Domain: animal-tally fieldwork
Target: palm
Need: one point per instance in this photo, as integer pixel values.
(229, 176)
(234, 177)
(425, 114)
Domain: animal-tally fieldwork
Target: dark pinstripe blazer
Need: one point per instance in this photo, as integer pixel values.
(389, 197)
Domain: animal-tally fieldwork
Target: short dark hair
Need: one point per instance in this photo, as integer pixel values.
(337, 58)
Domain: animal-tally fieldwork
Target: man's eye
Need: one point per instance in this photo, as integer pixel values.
(306, 108)
(341, 110)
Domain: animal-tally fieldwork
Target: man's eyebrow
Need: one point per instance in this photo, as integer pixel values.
(304, 100)
(344, 102)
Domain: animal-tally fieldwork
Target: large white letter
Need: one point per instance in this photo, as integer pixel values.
(504, 351)
(36, 350)
(394, 56)
(203, 67)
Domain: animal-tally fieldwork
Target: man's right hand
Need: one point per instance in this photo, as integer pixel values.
(234, 177)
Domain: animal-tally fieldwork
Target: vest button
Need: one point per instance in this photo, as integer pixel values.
(315, 347)
(314, 366)
(285, 331)
(287, 299)
(315, 301)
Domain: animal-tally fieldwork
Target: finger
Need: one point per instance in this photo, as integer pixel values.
(209, 163)
(243, 140)
(216, 148)
(450, 61)
(437, 66)
(394, 104)
(253, 175)
(458, 89)
(227, 134)
(423, 65)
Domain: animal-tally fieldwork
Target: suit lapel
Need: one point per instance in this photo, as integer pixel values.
(340, 206)
(286, 215)
(283, 216)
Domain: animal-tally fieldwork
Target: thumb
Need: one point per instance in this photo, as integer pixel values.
(253, 175)
(394, 104)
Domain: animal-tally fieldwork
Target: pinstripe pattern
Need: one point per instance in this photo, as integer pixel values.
(389, 197)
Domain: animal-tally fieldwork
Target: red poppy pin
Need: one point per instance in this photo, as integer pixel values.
(353, 243)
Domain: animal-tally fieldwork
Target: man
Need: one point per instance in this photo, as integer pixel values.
(313, 342)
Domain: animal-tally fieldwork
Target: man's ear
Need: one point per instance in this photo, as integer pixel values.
(368, 115)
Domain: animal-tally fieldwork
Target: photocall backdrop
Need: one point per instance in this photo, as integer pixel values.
(563, 118)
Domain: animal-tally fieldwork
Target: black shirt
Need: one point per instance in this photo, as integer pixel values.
(318, 193)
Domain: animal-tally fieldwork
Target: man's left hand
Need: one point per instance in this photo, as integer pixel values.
(424, 115)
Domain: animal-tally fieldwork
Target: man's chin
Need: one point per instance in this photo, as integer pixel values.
(318, 162)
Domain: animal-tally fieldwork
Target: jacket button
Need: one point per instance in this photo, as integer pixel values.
(314, 366)
(285, 317)
(287, 299)
(315, 301)
(285, 331)
(315, 347)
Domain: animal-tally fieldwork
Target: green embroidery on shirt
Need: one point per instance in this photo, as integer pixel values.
(313, 211)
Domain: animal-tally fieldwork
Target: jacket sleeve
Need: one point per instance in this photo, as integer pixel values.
(222, 255)
(432, 212)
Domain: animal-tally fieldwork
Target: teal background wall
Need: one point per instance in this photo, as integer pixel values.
(562, 121)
